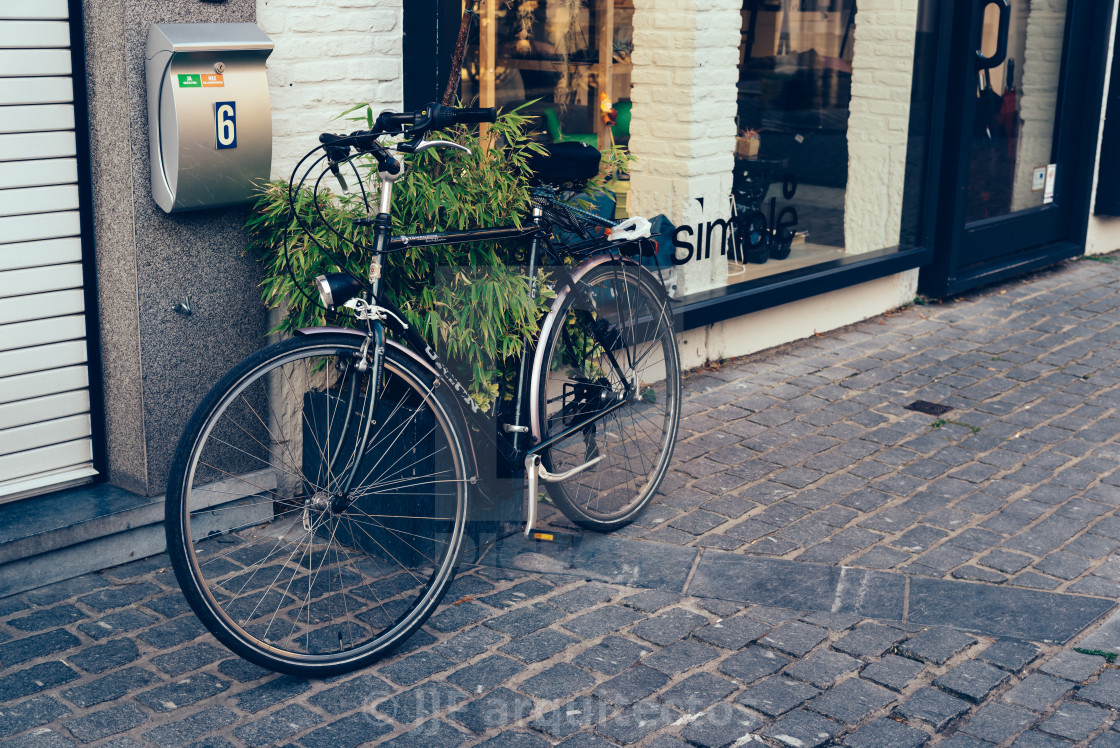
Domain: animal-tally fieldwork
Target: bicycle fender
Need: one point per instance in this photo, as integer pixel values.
(359, 335)
(550, 321)
(416, 359)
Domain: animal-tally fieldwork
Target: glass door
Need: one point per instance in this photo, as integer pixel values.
(1013, 174)
(1023, 91)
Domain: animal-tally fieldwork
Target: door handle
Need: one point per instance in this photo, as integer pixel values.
(997, 58)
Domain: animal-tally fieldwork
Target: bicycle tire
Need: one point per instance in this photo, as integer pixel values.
(280, 568)
(630, 314)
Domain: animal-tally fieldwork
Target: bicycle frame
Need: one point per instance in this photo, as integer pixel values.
(506, 447)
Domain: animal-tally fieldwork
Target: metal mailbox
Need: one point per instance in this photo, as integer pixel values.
(209, 118)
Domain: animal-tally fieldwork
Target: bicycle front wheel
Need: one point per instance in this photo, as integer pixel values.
(282, 562)
(611, 347)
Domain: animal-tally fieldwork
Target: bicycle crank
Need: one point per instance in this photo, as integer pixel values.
(537, 472)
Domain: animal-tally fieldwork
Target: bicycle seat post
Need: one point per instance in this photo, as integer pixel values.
(516, 428)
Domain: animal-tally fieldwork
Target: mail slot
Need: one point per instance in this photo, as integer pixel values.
(209, 119)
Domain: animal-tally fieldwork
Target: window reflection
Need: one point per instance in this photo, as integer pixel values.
(566, 54)
(791, 165)
(827, 149)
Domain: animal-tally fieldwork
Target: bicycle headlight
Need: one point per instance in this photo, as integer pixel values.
(335, 289)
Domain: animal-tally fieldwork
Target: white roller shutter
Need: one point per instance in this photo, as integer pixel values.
(45, 430)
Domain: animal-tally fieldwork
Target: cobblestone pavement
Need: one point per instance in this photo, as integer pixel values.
(825, 568)
(810, 454)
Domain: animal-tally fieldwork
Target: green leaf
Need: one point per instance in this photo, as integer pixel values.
(351, 110)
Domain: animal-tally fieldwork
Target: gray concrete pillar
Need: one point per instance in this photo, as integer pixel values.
(157, 364)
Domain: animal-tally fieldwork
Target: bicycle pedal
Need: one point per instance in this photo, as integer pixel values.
(558, 538)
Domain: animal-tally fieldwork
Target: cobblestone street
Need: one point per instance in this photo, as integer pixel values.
(823, 567)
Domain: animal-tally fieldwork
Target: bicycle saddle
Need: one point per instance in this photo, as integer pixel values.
(570, 161)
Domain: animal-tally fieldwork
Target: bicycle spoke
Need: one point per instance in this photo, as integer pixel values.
(245, 526)
(282, 568)
(295, 392)
(310, 586)
(376, 597)
(225, 556)
(247, 454)
(271, 435)
(238, 477)
(390, 555)
(389, 448)
(410, 545)
(388, 529)
(288, 588)
(421, 537)
(397, 489)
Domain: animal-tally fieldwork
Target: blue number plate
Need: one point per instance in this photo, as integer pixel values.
(225, 124)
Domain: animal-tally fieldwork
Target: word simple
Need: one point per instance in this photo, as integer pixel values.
(750, 227)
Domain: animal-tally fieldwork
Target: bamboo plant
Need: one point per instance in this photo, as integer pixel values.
(470, 300)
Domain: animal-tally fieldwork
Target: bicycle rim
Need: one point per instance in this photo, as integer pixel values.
(618, 318)
(279, 563)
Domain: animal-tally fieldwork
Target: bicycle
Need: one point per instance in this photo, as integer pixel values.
(343, 461)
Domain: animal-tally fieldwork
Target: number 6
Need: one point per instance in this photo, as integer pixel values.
(225, 121)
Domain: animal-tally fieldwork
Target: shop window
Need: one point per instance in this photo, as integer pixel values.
(565, 55)
(826, 150)
(792, 153)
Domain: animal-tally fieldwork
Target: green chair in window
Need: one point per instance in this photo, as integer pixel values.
(621, 126)
(552, 127)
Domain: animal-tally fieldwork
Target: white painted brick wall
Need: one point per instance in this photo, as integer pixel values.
(686, 56)
(879, 113)
(329, 56)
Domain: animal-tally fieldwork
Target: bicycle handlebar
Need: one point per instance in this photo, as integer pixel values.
(472, 115)
(432, 117)
(364, 141)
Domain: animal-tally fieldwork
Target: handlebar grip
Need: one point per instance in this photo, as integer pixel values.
(469, 115)
(335, 153)
(399, 119)
(445, 116)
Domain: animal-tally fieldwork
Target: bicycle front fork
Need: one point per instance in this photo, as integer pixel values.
(371, 358)
(371, 361)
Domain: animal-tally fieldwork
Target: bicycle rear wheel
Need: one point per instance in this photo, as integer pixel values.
(611, 344)
(280, 564)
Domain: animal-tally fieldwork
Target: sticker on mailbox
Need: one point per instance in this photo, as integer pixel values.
(190, 81)
(213, 80)
(225, 124)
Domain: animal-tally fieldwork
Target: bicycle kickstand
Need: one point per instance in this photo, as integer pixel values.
(536, 472)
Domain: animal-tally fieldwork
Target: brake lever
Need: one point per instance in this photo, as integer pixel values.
(338, 175)
(336, 155)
